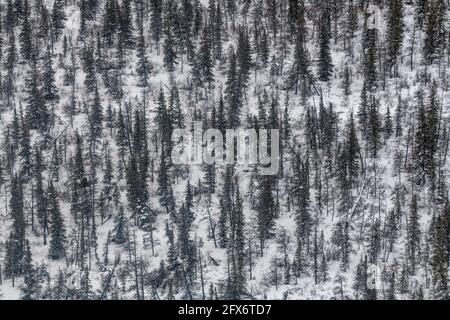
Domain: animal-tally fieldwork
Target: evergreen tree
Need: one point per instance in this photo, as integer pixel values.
(218, 36)
(81, 200)
(205, 62)
(170, 55)
(244, 59)
(186, 245)
(413, 235)
(58, 18)
(41, 200)
(156, 21)
(236, 281)
(57, 227)
(360, 280)
(395, 32)
(110, 21)
(166, 198)
(16, 242)
(266, 211)
(398, 118)
(120, 227)
(371, 60)
(388, 124)
(374, 128)
(89, 68)
(44, 24)
(143, 66)
(177, 117)
(26, 47)
(37, 112)
(49, 89)
(440, 254)
(431, 42)
(300, 77)
(325, 61)
(126, 25)
(25, 152)
(222, 224)
(426, 138)
(30, 288)
(233, 93)
(96, 118)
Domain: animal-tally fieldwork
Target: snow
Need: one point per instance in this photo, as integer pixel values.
(303, 288)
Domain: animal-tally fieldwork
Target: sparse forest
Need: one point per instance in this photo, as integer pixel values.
(93, 206)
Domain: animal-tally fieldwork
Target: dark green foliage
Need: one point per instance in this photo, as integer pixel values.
(395, 32)
(57, 227)
(325, 61)
(15, 246)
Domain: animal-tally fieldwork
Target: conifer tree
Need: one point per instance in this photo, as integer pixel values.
(325, 61)
(186, 245)
(371, 60)
(236, 281)
(41, 200)
(58, 17)
(388, 124)
(431, 42)
(16, 242)
(25, 151)
(374, 128)
(170, 55)
(37, 112)
(96, 118)
(143, 66)
(360, 280)
(26, 47)
(233, 93)
(49, 89)
(205, 62)
(164, 186)
(413, 235)
(266, 211)
(126, 25)
(244, 58)
(156, 22)
(30, 288)
(439, 258)
(57, 227)
(395, 32)
(300, 77)
(120, 227)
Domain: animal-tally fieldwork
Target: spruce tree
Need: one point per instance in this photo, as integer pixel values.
(30, 288)
(57, 227)
(26, 47)
(58, 17)
(236, 281)
(120, 227)
(395, 32)
(170, 55)
(143, 66)
(233, 93)
(41, 200)
(16, 242)
(325, 61)
(371, 60)
(413, 235)
(440, 254)
(266, 211)
(49, 89)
